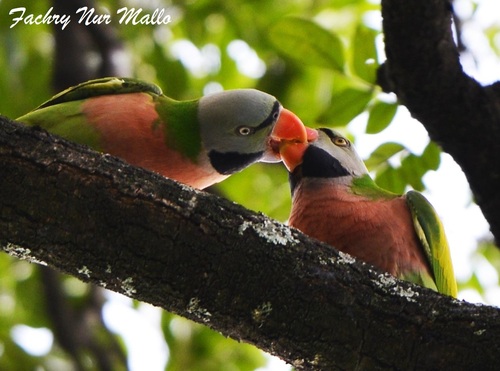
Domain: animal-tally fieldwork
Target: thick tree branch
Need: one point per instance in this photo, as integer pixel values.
(424, 70)
(210, 260)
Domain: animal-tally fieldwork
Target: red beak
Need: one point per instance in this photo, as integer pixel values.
(290, 136)
(291, 152)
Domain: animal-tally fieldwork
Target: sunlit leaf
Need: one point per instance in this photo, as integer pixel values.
(472, 283)
(391, 180)
(196, 347)
(307, 43)
(382, 153)
(261, 187)
(343, 3)
(30, 305)
(346, 105)
(380, 116)
(412, 169)
(432, 156)
(364, 61)
(491, 252)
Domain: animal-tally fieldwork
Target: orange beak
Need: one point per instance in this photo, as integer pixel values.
(291, 152)
(290, 138)
(289, 131)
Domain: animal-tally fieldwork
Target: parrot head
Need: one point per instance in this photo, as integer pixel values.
(330, 155)
(250, 124)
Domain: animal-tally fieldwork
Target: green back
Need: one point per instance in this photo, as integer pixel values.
(62, 114)
(103, 86)
(431, 234)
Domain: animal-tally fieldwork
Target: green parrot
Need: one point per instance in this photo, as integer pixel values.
(335, 200)
(198, 142)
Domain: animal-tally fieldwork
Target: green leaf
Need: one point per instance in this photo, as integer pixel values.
(346, 105)
(364, 62)
(268, 185)
(432, 156)
(474, 283)
(412, 170)
(344, 3)
(413, 167)
(196, 347)
(383, 153)
(308, 43)
(381, 115)
(391, 180)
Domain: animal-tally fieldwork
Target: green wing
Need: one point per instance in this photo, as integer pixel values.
(62, 114)
(431, 234)
(104, 86)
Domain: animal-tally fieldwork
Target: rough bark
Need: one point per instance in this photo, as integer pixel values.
(210, 260)
(424, 70)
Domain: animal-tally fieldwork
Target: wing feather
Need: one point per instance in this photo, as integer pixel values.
(431, 234)
(63, 114)
(103, 86)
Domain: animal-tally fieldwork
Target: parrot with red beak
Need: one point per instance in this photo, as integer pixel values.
(335, 200)
(197, 142)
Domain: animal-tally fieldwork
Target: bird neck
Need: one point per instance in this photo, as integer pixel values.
(366, 186)
(320, 189)
(345, 188)
(181, 125)
(299, 176)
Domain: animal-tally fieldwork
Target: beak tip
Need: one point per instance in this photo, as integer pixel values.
(289, 139)
(292, 153)
(312, 134)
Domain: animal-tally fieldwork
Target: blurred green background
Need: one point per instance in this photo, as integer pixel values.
(319, 58)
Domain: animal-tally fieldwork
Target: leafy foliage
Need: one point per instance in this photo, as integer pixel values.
(305, 41)
(321, 64)
(411, 167)
(381, 115)
(195, 347)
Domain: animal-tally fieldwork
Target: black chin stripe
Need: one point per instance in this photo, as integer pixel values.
(320, 164)
(232, 162)
(316, 163)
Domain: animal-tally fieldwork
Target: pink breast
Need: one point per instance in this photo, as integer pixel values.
(130, 129)
(378, 232)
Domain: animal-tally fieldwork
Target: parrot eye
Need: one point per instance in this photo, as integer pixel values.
(244, 130)
(276, 115)
(341, 142)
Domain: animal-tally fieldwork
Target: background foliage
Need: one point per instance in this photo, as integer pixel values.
(319, 58)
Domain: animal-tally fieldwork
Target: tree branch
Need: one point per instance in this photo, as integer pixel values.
(210, 260)
(424, 70)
